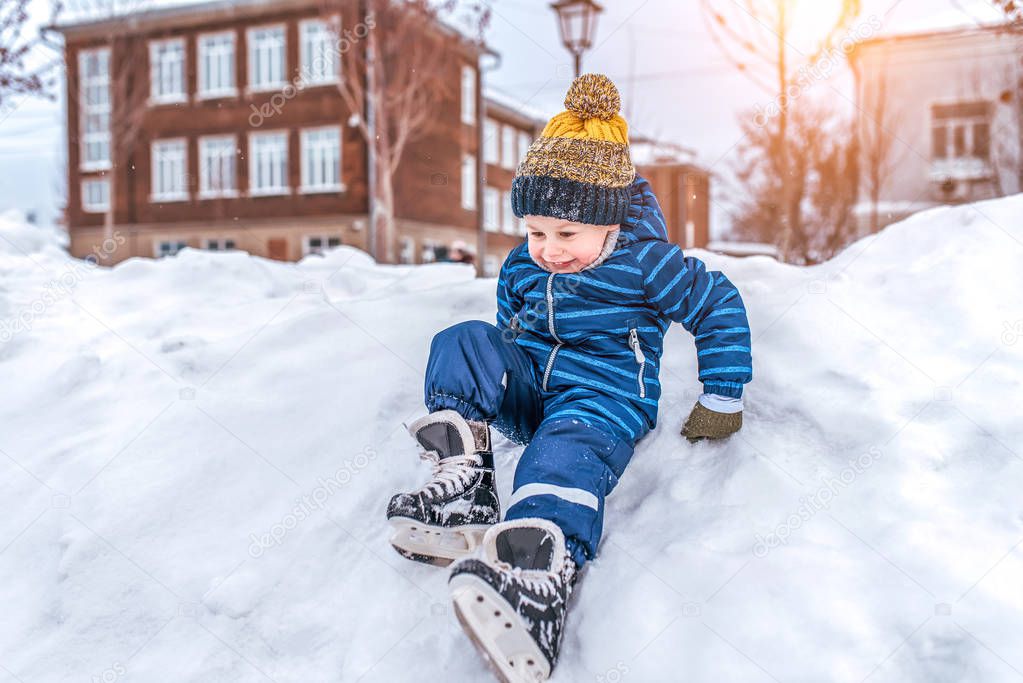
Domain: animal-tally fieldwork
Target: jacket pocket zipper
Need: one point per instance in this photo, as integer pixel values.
(640, 358)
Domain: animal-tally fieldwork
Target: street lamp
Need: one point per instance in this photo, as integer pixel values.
(577, 20)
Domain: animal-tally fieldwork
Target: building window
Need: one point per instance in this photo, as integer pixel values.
(168, 247)
(508, 155)
(216, 64)
(218, 244)
(96, 195)
(170, 164)
(217, 166)
(167, 71)
(408, 250)
(266, 57)
(321, 159)
(524, 141)
(321, 61)
(469, 182)
(468, 95)
(316, 244)
(268, 163)
(960, 140)
(94, 108)
(491, 208)
(509, 221)
(491, 142)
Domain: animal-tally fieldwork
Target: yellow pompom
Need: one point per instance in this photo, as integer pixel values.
(593, 96)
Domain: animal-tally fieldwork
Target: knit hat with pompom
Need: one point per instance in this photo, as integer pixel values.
(579, 169)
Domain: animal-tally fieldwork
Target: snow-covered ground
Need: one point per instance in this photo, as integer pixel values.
(196, 454)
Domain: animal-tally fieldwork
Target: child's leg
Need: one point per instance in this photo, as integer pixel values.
(482, 374)
(564, 475)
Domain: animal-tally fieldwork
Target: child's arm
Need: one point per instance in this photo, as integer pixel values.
(708, 305)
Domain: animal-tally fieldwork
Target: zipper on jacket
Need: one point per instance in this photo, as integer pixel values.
(550, 326)
(640, 358)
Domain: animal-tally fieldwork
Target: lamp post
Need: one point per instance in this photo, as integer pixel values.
(577, 20)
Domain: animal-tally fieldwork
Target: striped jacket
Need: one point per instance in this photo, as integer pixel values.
(596, 336)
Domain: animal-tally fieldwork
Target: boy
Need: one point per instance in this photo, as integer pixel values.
(570, 371)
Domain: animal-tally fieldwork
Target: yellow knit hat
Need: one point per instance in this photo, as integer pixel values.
(579, 168)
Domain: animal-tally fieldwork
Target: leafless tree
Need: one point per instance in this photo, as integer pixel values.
(875, 131)
(823, 161)
(755, 36)
(400, 74)
(1013, 10)
(17, 77)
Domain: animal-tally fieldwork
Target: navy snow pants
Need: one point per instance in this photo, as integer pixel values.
(571, 461)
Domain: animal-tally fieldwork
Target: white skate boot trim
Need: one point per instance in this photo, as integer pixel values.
(488, 547)
(497, 631)
(444, 543)
(451, 417)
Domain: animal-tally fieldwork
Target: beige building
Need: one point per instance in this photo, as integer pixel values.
(940, 117)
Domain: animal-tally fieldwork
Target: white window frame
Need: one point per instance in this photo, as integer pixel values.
(204, 91)
(220, 242)
(327, 42)
(93, 107)
(469, 177)
(310, 183)
(255, 160)
(206, 191)
(491, 141)
(968, 166)
(491, 209)
(508, 144)
(158, 149)
(509, 221)
(251, 47)
(468, 94)
(308, 248)
(162, 78)
(173, 247)
(90, 206)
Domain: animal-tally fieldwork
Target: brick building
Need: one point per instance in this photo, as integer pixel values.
(225, 153)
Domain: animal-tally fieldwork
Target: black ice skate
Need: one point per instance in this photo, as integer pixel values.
(512, 595)
(446, 518)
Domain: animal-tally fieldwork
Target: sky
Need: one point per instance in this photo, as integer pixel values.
(676, 84)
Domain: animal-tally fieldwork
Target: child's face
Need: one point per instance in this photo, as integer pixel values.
(562, 246)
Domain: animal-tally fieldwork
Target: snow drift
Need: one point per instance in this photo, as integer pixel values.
(196, 454)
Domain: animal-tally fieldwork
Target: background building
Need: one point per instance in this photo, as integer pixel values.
(220, 126)
(939, 119)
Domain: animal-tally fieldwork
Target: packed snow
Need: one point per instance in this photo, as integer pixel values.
(197, 453)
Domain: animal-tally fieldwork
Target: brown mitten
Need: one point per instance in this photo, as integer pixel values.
(704, 423)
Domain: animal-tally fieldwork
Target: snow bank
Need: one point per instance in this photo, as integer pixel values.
(197, 452)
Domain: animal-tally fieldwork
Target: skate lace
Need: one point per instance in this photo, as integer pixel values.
(450, 474)
(546, 585)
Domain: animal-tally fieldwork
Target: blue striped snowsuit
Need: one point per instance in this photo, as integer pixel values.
(571, 367)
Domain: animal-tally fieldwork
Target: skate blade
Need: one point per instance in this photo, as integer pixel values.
(434, 544)
(497, 631)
